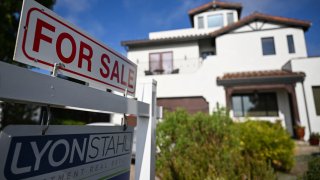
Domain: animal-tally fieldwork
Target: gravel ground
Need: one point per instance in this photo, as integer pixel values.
(303, 154)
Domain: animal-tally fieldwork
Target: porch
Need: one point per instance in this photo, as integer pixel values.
(263, 95)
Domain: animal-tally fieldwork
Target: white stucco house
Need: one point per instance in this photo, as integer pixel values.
(256, 66)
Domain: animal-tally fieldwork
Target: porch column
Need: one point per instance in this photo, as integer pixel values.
(292, 92)
(229, 91)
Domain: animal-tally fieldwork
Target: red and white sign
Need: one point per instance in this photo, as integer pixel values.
(45, 39)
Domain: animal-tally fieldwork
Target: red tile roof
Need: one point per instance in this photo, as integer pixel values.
(262, 17)
(260, 74)
(246, 20)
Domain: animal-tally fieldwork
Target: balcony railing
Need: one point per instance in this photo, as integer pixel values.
(180, 66)
(160, 71)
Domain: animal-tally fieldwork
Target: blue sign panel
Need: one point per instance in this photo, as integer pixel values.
(65, 152)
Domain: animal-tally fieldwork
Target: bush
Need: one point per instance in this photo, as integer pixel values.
(205, 146)
(313, 172)
(266, 141)
(67, 122)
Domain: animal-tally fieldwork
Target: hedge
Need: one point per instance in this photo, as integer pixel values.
(203, 146)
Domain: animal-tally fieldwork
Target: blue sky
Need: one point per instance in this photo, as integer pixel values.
(112, 21)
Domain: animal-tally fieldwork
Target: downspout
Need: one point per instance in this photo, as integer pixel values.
(306, 105)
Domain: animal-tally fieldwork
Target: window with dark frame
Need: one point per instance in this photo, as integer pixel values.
(200, 22)
(316, 97)
(290, 42)
(161, 63)
(268, 47)
(255, 104)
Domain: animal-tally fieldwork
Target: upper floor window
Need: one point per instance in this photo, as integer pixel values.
(290, 44)
(215, 20)
(230, 18)
(200, 22)
(160, 63)
(268, 47)
(316, 97)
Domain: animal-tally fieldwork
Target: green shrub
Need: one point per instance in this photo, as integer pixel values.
(313, 172)
(68, 122)
(204, 146)
(266, 141)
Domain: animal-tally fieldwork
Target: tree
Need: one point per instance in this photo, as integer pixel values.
(9, 22)
(9, 18)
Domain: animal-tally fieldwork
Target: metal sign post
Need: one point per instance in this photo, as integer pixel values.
(146, 132)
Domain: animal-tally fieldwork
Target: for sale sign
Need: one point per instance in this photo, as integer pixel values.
(85, 152)
(45, 39)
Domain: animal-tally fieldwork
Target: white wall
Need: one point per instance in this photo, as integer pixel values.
(311, 67)
(243, 51)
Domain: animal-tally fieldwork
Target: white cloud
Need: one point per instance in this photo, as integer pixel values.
(267, 6)
(73, 6)
(74, 12)
(180, 12)
(167, 17)
(95, 29)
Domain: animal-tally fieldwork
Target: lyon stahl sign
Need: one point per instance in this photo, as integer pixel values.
(64, 154)
(45, 39)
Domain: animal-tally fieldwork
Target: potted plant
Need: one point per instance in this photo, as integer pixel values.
(299, 130)
(314, 139)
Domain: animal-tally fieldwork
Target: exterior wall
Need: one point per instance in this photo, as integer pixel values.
(191, 104)
(311, 67)
(243, 51)
(185, 56)
(237, 51)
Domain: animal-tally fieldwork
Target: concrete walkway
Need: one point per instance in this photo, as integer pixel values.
(303, 154)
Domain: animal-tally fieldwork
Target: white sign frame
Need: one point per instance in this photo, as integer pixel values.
(45, 39)
(25, 86)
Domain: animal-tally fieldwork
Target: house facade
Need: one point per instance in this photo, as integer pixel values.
(257, 66)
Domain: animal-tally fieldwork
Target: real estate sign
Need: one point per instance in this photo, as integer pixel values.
(65, 154)
(45, 39)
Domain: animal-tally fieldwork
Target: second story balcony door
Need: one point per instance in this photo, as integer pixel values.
(161, 63)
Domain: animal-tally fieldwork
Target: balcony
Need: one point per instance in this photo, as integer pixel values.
(177, 66)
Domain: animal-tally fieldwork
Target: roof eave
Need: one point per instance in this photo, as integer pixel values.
(148, 42)
(261, 80)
